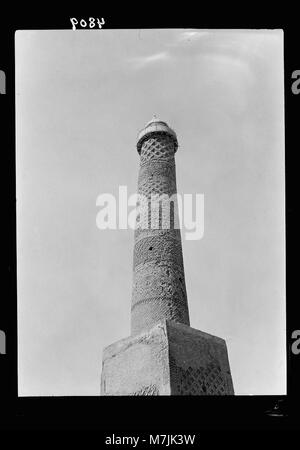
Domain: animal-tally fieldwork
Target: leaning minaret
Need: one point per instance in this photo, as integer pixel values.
(159, 291)
(163, 355)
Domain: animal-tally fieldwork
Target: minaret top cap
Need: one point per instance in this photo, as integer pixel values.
(154, 120)
(156, 125)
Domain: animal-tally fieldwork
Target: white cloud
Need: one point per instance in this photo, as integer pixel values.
(192, 35)
(188, 37)
(143, 61)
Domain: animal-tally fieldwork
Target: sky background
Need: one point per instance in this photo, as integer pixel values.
(81, 98)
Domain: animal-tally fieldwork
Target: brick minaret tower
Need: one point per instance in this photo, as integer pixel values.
(159, 291)
(163, 355)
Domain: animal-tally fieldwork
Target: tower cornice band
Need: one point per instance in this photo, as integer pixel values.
(156, 127)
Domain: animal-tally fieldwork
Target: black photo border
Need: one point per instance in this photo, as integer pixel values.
(142, 414)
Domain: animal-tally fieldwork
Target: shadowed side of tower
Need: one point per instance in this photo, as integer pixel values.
(163, 355)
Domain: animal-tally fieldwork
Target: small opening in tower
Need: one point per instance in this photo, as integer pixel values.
(150, 248)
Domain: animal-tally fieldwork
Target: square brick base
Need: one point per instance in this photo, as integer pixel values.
(169, 359)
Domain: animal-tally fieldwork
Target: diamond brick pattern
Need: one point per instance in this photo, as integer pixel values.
(159, 290)
(157, 147)
(198, 380)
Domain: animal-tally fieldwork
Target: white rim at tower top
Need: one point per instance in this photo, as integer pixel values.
(155, 119)
(156, 126)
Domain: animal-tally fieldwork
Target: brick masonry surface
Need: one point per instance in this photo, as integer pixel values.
(169, 359)
(159, 290)
(163, 355)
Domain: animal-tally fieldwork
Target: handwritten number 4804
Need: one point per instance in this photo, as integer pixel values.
(90, 23)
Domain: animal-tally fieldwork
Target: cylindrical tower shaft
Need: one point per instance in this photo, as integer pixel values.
(159, 290)
(163, 355)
